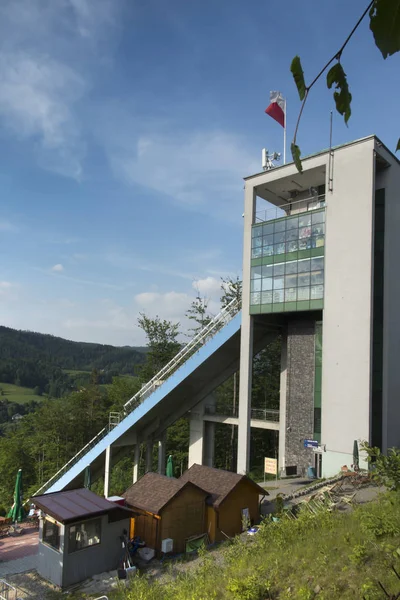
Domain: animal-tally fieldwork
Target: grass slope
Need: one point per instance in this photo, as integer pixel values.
(327, 556)
(18, 394)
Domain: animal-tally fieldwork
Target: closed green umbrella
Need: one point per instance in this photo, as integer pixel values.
(170, 467)
(356, 461)
(88, 478)
(16, 512)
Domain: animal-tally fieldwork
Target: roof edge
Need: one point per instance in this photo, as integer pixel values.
(326, 151)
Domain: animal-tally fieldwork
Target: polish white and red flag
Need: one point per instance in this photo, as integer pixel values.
(277, 108)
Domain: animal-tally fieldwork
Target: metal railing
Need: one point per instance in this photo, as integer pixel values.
(211, 409)
(296, 207)
(7, 591)
(190, 349)
(261, 414)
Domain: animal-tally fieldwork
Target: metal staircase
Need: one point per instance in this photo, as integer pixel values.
(197, 342)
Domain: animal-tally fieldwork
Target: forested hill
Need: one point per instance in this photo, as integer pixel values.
(27, 358)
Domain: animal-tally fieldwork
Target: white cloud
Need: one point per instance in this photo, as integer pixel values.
(169, 305)
(199, 170)
(7, 226)
(7, 290)
(210, 287)
(57, 268)
(37, 94)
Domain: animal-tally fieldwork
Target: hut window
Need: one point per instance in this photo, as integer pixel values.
(51, 534)
(84, 535)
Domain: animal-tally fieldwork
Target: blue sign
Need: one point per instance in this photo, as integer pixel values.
(311, 444)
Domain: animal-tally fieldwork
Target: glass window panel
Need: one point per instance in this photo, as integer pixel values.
(292, 235)
(267, 270)
(279, 226)
(257, 232)
(304, 232)
(83, 535)
(268, 240)
(317, 292)
(267, 228)
(278, 296)
(292, 223)
(256, 252)
(268, 251)
(317, 277)
(291, 267)
(266, 283)
(319, 241)
(290, 281)
(304, 279)
(51, 534)
(255, 285)
(318, 229)
(257, 242)
(305, 220)
(292, 246)
(303, 244)
(279, 237)
(256, 272)
(318, 217)
(303, 293)
(291, 295)
(317, 263)
(279, 249)
(266, 298)
(279, 283)
(304, 265)
(255, 298)
(279, 269)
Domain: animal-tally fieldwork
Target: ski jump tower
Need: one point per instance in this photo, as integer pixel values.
(320, 269)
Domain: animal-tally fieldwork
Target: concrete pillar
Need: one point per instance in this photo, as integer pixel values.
(282, 407)
(162, 442)
(107, 469)
(208, 445)
(136, 460)
(149, 455)
(196, 437)
(246, 338)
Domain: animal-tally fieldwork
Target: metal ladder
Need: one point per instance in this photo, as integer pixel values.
(199, 340)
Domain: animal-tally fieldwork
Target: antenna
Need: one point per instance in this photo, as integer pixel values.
(268, 160)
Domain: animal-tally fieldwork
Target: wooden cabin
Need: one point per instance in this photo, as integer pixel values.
(166, 508)
(230, 498)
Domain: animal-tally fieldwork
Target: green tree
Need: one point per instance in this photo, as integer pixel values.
(231, 289)
(198, 313)
(162, 344)
(385, 26)
(121, 390)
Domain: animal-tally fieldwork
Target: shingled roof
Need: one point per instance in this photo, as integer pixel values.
(153, 491)
(218, 483)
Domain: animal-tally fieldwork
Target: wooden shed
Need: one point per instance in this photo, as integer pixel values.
(166, 508)
(230, 498)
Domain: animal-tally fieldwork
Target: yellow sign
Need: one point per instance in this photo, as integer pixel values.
(270, 466)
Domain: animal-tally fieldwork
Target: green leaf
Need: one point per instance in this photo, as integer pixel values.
(343, 98)
(296, 157)
(298, 76)
(398, 146)
(385, 25)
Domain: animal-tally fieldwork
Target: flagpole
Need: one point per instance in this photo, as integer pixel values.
(284, 139)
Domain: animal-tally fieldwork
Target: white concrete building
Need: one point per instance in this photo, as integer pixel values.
(320, 259)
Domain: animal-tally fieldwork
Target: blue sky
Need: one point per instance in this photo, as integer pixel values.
(126, 127)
